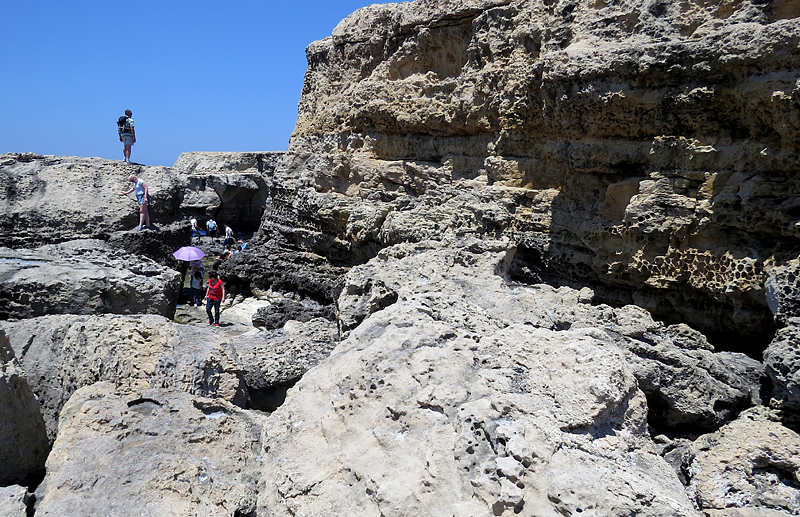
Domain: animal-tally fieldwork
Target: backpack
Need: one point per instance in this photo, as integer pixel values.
(122, 125)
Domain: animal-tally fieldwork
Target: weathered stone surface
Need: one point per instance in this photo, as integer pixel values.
(12, 501)
(61, 354)
(281, 310)
(157, 245)
(83, 277)
(751, 462)
(468, 411)
(687, 385)
(782, 363)
(783, 292)
(23, 438)
(270, 267)
(231, 187)
(152, 452)
(51, 199)
(648, 149)
(281, 357)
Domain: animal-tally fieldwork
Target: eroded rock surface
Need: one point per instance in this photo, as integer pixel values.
(751, 462)
(83, 277)
(688, 385)
(13, 501)
(646, 149)
(462, 398)
(152, 452)
(61, 354)
(229, 186)
(272, 267)
(51, 199)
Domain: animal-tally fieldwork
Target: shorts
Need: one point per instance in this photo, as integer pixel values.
(140, 198)
(127, 138)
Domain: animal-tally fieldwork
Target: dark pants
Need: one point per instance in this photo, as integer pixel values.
(215, 304)
(197, 295)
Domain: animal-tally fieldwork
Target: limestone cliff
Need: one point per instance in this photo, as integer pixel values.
(646, 148)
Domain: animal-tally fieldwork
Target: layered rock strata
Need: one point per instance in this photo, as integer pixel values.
(84, 277)
(52, 199)
(645, 148)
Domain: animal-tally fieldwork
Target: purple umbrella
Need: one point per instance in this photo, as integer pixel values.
(189, 253)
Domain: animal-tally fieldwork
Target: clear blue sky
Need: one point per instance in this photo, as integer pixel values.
(198, 76)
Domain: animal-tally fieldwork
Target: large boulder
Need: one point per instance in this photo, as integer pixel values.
(23, 438)
(282, 356)
(51, 199)
(752, 462)
(128, 452)
(646, 148)
(84, 277)
(456, 400)
(689, 387)
(475, 403)
(61, 354)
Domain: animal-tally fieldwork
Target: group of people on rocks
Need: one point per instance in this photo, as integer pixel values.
(212, 230)
(215, 290)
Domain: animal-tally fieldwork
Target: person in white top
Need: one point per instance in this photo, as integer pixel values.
(142, 197)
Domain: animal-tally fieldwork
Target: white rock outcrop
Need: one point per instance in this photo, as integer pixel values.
(151, 452)
(440, 405)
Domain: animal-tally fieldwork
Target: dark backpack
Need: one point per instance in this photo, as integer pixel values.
(122, 125)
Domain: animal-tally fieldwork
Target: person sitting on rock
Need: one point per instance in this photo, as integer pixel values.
(220, 259)
(142, 197)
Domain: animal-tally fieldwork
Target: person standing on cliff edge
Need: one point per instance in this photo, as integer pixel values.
(142, 197)
(127, 135)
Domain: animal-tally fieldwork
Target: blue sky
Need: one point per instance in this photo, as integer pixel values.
(198, 76)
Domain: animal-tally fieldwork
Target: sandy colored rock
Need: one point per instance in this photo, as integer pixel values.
(229, 186)
(61, 354)
(645, 149)
(12, 501)
(152, 452)
(687, 385)
(51, 199)
(751, 462)
(438, 404)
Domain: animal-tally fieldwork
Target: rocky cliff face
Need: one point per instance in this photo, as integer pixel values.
(646, 148)
(52, 199)
(479, 283)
